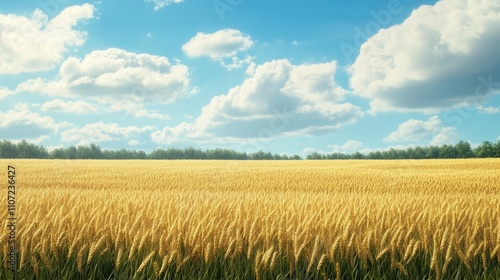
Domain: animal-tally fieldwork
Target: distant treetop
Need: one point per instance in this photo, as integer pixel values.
(25, 149)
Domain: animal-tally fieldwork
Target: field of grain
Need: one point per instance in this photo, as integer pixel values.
(256, 219)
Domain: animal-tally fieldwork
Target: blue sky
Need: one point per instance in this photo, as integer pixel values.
(328, 76)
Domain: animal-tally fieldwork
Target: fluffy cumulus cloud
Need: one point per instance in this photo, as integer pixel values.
(115, 75)
(224, 46)
(20, 123)
(280, 99)
(103, 132)
(349, 146)
(136, 109)
(417, 131)
(143, 113)
(163, 3)
(352, 145)
(441, 56)
(447, 135)
(5, 92)
(30, 44)
(80, 107)
(489, 110)
(73, 107)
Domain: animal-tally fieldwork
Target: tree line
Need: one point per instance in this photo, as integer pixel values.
(460, 150)
(26, 150)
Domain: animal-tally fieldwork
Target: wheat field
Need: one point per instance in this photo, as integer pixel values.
(427, 219)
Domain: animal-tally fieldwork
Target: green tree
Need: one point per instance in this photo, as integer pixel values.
(447, 151)
(84, 152)
(433, 152)
(30, 150)
(374, 155)
(71, 153)
(314, 155)
(497, 149)
(8, 149)
(95, 151)
(174, 153)
(464, 150)
(140, 155)
(192, 153)
(418, 153)
(261, 155)
(158, 154)
(57, 153)
(485, 150)
(357, 155)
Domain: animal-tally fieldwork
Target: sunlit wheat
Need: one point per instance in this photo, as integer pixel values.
(297, 219)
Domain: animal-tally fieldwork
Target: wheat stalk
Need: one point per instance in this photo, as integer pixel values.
(145, 262)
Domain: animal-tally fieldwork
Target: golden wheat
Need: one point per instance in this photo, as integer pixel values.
(317, 212)
(145, 262)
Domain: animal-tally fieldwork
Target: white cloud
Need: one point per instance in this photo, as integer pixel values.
(114, 75)
(72, 107)
(223, 46)
(135, 109)
(349, 146)
(280, 99)
(20, 123)
(102, 132)
(314, 83)
(489, 110)
(163, 3)
(52, 148)
(415, 130)
(180, 133)
(308, 151)
(133, 142)
(236, 62)
(251, 69)
(37, 44)
(448, 135)
(220, 44)
(473, 145)
(151, 114)
(423, 131)
(352, 145)
(441, 56)
(81, 107)
(5, 92)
